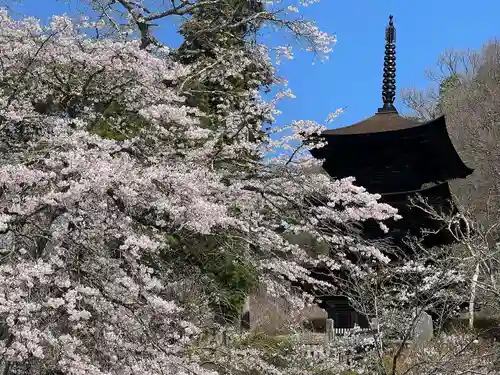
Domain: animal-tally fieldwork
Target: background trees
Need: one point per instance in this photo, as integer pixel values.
(466, 90)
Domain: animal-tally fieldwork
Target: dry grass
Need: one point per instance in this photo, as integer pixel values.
(454, 353)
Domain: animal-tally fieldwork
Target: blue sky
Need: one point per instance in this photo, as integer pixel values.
(352, 77)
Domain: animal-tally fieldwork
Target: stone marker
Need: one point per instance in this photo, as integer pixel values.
(423, 330)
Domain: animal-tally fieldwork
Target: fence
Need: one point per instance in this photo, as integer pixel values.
(316, 350)
(316, 345)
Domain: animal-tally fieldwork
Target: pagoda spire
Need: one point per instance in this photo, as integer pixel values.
(389, 81)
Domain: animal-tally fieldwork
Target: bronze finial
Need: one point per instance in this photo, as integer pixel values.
(389, 81)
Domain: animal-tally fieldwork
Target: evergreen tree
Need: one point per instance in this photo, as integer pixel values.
(217, 97)
(446, 84)
(206, 42)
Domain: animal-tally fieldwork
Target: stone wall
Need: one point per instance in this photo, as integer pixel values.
(274, 315)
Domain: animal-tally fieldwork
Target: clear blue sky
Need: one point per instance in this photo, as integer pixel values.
(352, 77)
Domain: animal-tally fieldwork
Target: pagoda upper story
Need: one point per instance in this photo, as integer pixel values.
(398, 158)
(388, 153)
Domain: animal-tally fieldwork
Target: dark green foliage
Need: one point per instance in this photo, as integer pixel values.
(113, 121)
(277, 350)
(217, 25)
(117, 123)
(225, 272)
(448, 83)
(445, 86)
(224, 26)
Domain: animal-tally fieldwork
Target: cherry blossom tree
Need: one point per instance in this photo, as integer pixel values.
(98, 203)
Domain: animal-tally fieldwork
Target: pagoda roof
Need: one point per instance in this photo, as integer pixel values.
(396, 161)
(380, 122)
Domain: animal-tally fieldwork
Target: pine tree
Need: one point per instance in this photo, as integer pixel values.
(205, 41)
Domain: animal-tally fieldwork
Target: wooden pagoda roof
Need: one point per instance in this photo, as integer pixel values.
(394, 161)
(380, 122)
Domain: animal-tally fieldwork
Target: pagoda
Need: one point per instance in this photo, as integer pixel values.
(399, 159)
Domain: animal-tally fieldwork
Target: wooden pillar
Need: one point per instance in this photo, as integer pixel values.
(245, 315)
(329, 335)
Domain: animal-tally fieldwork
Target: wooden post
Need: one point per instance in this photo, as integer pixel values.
(245, 316)
(329, 335)
(330, 324)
